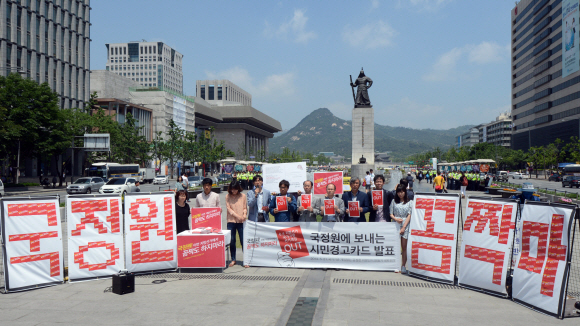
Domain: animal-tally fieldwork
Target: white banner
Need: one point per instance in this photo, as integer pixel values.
(294, 173)
(570, 37)
(540, 274)
(32, 237)
(361, 246)
(150, 240)
(95, 236)
(431, 246)
(486, 244)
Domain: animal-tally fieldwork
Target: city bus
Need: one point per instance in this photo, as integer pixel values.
(571, 169)
(113, 170)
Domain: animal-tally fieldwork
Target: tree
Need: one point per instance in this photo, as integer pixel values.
(174, 137)
(133, 148)
(158, 150)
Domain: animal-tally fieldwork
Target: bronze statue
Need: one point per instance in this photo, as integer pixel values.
(362, 95)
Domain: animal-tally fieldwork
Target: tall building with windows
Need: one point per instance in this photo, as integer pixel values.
(222, 92)
(545, 76)
(48, 41)
(151, 64)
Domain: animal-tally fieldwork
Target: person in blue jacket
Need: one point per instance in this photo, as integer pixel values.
(355, 195)
(287, 215)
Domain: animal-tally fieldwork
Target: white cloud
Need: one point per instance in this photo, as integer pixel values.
(375, 4)
(484, 53)
(371, 36)
(295, 29)
(272, 86)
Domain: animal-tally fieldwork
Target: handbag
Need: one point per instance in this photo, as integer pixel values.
(437, 187)
(464, 182)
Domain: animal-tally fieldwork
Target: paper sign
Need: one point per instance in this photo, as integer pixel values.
(322, 179)
(353, 209)
(202, 217)
(281, 203)
(378, 197)
(329, 207)
(306, 201)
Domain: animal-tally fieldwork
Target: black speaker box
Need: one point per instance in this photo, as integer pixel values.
(123, 283)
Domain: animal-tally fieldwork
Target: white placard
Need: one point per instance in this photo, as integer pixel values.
(540, 273)
(33, 240)
(486, 244)
(150, 240)
(294, 173)
(431, 246)
(361, 246)
(95, 237)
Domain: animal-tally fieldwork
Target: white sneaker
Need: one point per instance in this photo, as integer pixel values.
(403, 270)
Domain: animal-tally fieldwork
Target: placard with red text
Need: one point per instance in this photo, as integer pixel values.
(329, 207)
(486, 244)
(431, 246)
(353, 209)
(202, 217)
(541, 271)
(32, 237)
(201, 251)
(378, 197)
(95, 236)
(322, 179)
(150, 241)
(281, 203)
(306, 200)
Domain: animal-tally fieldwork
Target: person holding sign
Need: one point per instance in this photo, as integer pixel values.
(332, 208)
(258, 201)
(359, 202)
(283, 206)
(306, 205)
(400, 210)
(237, 213)
(381, 200)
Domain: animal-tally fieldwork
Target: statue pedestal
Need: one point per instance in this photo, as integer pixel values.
(360, 171)
(363, 135)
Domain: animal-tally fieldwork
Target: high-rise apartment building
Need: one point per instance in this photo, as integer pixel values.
(151, 64)
(545, 74)
(48, 41)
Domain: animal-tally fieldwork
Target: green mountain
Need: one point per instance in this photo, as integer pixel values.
(321, 131)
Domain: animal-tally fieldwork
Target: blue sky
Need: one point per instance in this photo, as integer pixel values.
(435, 63)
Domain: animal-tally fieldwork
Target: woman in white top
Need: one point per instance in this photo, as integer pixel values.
(400, 210)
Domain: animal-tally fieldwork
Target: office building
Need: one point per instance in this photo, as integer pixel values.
(48, 41)
(497, 132)
(469, 138)
(222, 93)
(545, 76)
(151, 64)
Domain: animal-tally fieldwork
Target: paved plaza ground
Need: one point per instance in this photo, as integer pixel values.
(268, 296)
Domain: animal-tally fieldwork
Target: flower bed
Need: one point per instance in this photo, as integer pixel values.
(565, 201)
(507, 189)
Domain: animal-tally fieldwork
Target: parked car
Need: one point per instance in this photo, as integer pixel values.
(501, 176)
(1, 189)
(118, 186)
(161, 179)
(85, 185)
(194, 181)
(571, 181)
(555, 177)
(516, 175)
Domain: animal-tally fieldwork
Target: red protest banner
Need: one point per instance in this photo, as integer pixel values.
(322, 179)
(353, 209)
(306, 200)
(202, 217)
(281, 203)
(329, 207)
(378, 197)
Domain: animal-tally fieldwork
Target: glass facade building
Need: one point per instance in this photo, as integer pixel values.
(48, 41)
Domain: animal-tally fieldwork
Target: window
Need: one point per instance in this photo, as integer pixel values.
(9, 21)
(8, 55)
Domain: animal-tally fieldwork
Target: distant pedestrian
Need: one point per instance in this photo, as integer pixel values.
(54, 181)
(439, 183)
(368, 182)
(464, 182)
(410, 180)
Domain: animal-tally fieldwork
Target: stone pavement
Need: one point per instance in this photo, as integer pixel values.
(243, 301)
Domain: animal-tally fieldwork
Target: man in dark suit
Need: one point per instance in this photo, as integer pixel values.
(355, 195)
(382, 212)
(258, 199)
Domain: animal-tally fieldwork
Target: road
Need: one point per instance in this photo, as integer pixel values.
(544, 183)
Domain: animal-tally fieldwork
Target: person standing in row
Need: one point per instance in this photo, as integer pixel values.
(236, 204)
(361, 198)
(285, 216)
(182, 212)
(338, 205)
(378, 213)
(207, 198)
(400, 210)
(258, 201)
(307, 214)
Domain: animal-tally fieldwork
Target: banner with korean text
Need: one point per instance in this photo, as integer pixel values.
(362, 246)
(202, 250)
(486, 244)
(432, 240)
(204, 217)
(150, 241)
(322, 179)
(32, 237)
(95, 236)
(541, 271)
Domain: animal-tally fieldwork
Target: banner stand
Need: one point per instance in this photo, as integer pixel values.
(5, 261)
(432, 279)
(564, 286)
